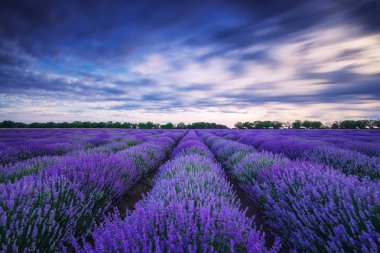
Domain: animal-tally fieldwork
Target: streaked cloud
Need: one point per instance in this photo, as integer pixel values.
(182, 61)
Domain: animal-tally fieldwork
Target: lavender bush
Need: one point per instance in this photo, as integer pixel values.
(347, 161)
(12, 172)
(43, 211)
(191, 208)
(309, 148)
(319, 209)
(312, 207)
(317, 190)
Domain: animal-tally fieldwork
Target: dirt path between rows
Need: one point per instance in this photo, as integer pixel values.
(253, 210)
(136, 193)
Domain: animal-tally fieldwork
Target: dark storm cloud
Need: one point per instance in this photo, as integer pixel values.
(157, 96)
(108, 29)
(126, 106)
(16, 81)
(146, 82)
(115, 28)
(10, 60)
(345, 84)
(363, 12)
(341, 86)
(255, 56)
(167, 106)
(349, 54)
(196, 87)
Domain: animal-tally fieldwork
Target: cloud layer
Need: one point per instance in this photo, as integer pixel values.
(224, 61)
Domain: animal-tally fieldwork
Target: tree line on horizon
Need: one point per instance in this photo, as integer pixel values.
(297, 124)
(111, 124)
(307, 124)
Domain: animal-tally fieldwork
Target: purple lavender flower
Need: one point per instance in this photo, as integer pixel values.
(191, 208)
(46, 210)
(312, 207)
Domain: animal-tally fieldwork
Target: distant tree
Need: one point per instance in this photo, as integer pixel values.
(20, 125)
(256, 124)
(348, 124)
(375, 123)
(362, 124)
(147, 125)
(142, 125)
(206, 125)
(335, 125)
(65, 125)
(371, 124)
(109, 124)
(181, 125)
(126, 125)
(306, 124)
(168, 126)
(50, 125)
(248, 125)
(116, 125)
(316, 124)
(76, 124)
(34, 125)
(197, 125)
(102, 124)
(277, 124)
(267, 124)
(260, 124)
(221, 126)
(239, 125)
(297, 124)
(7, 124)
(87, 124)
(150, 125)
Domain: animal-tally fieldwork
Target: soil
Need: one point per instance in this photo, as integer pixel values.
(136, 193)
(252, 210)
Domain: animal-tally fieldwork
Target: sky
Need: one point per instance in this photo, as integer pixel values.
(189, 61)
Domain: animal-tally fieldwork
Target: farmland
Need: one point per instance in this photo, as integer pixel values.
(179, 190)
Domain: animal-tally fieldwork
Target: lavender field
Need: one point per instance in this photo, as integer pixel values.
(210, 126)
(103, 190)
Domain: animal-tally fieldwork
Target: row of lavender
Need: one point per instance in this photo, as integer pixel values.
(363, 141)
(312, 207)
(88, 141)
(19, 145)
(317, 148)
(46, 210)
(191, 208)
